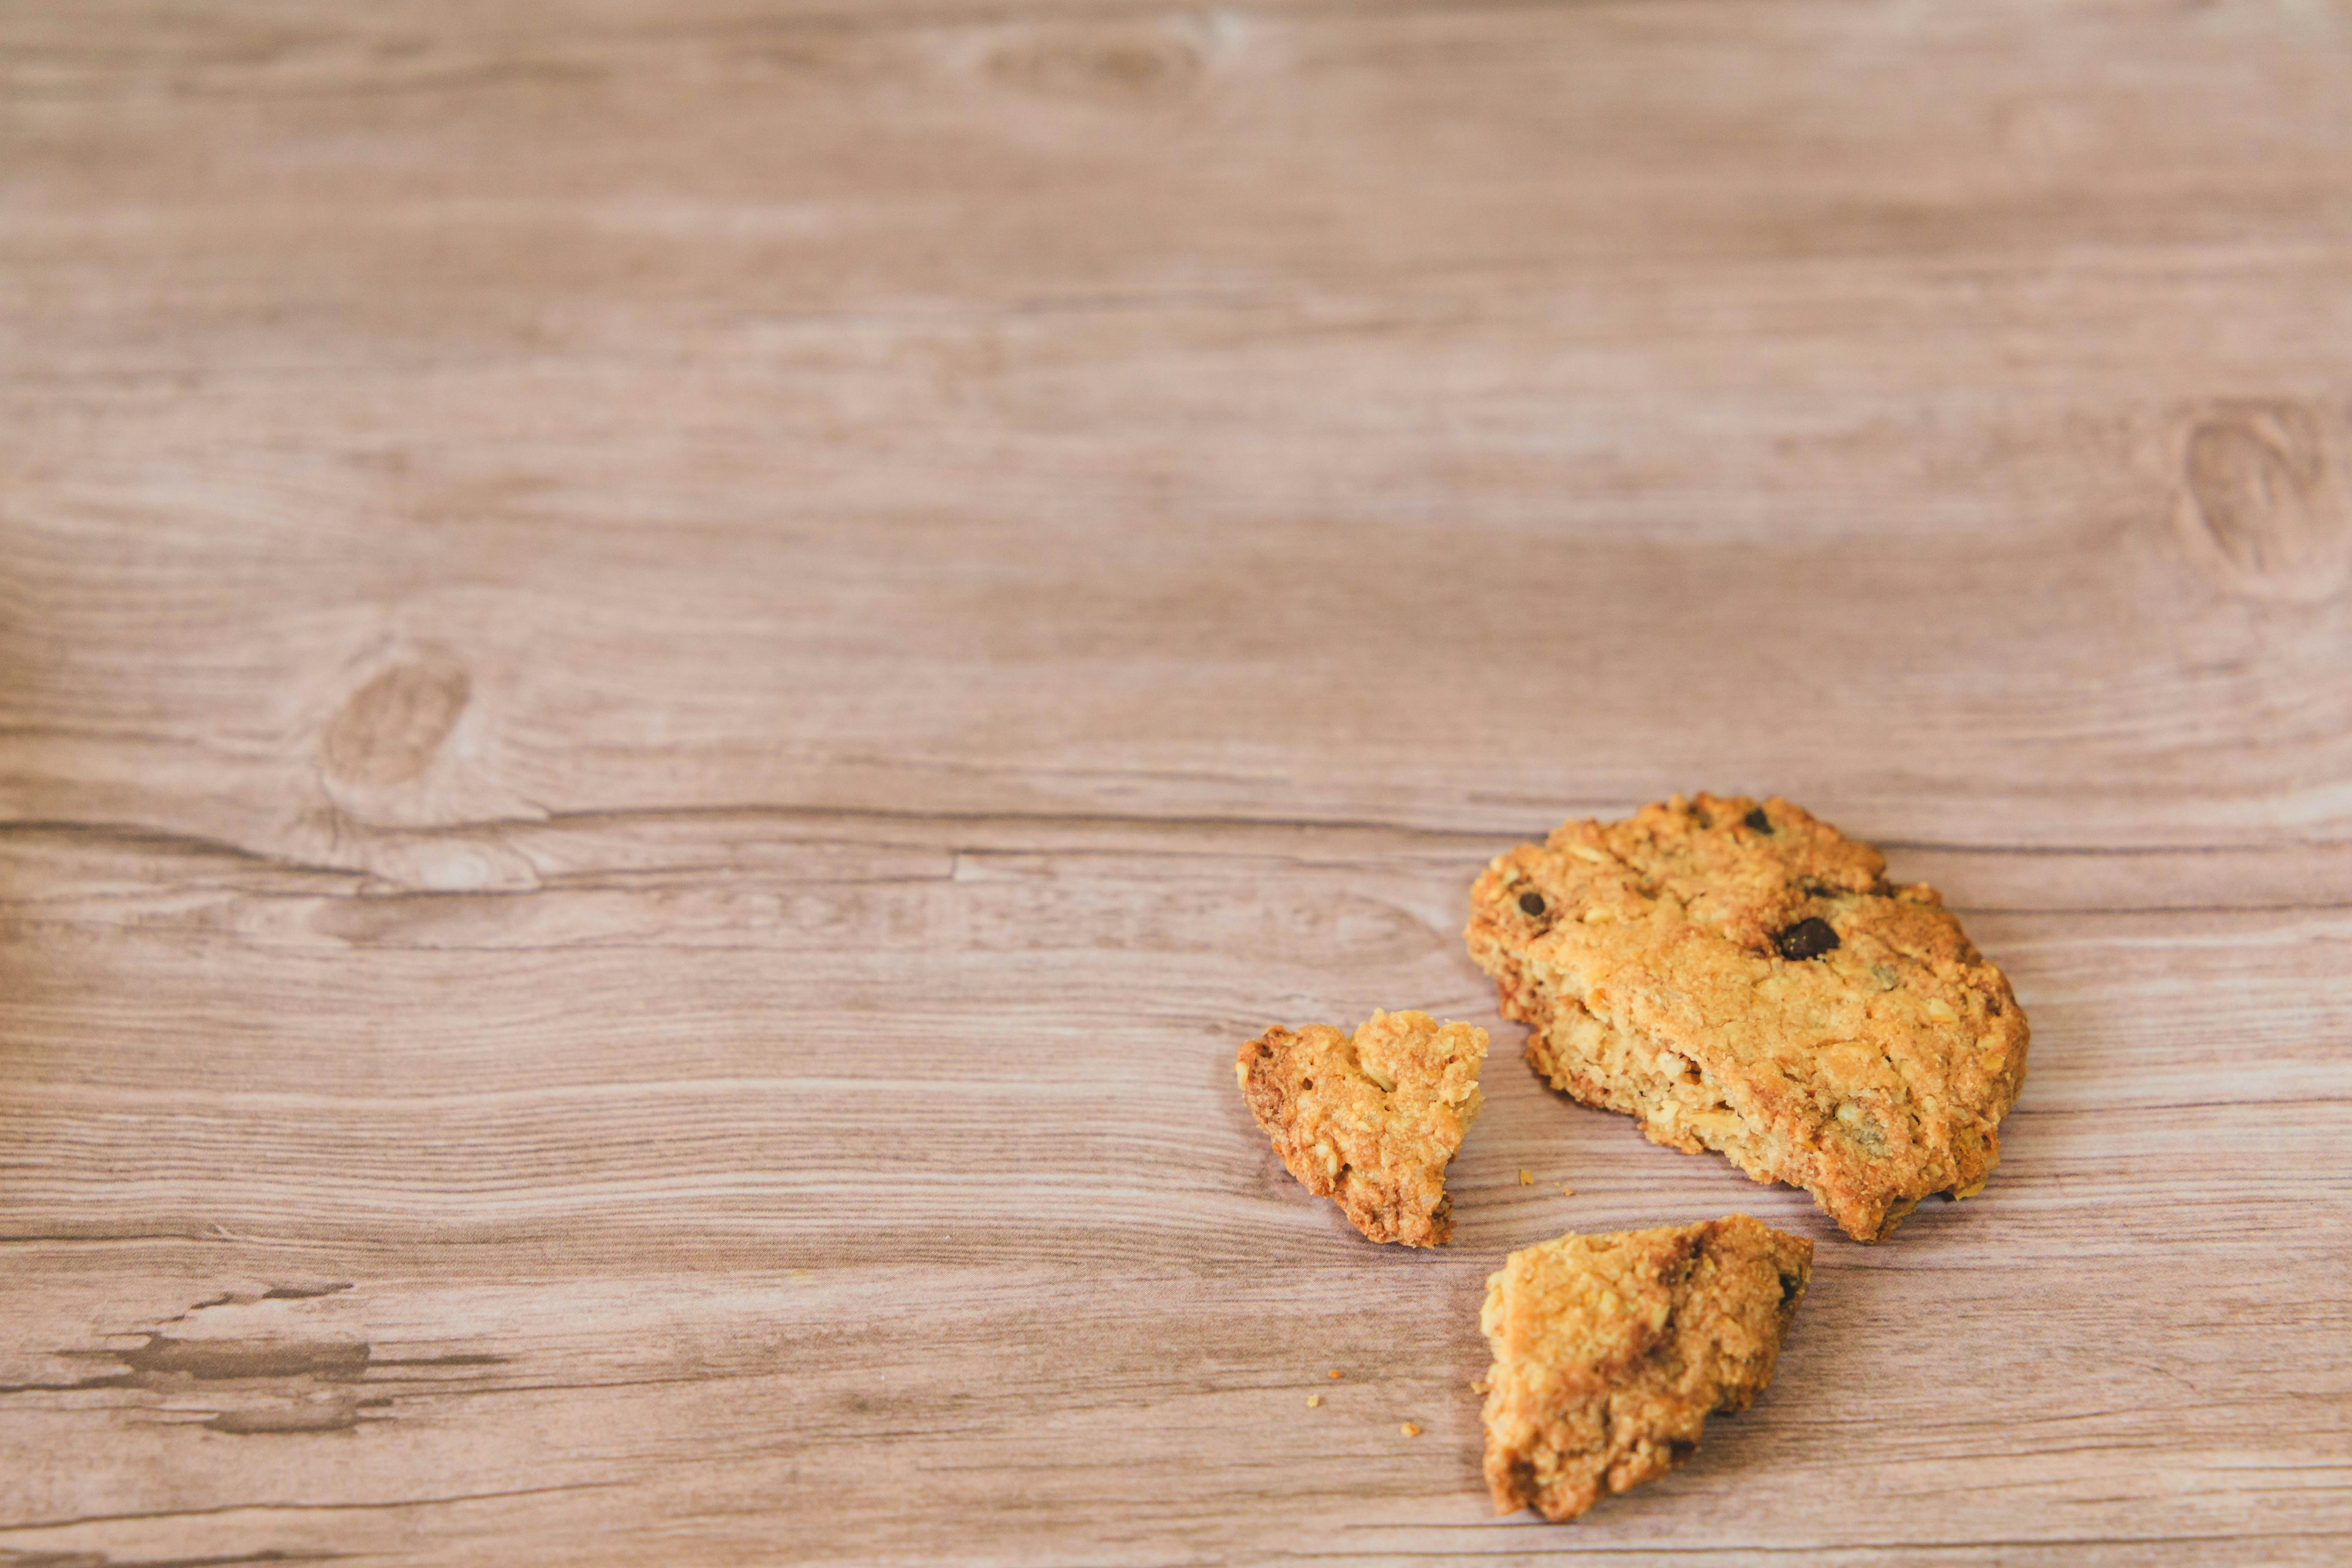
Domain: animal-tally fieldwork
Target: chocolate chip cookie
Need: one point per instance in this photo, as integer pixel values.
(1742, 977)
(1611, 1350)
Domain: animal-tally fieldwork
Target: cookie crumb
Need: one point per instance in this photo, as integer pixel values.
(1568, 1192)
(1369, 1121)
(1333, 1375)
(1314, 1401)
(1410, 1430)
(1525, 1179)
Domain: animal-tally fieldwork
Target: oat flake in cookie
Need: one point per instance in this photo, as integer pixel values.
(1371, 1121)
(1743, 978)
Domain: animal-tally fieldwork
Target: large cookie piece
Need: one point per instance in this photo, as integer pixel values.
(1610, 1351)
(1743, 978)
(1369, 1122)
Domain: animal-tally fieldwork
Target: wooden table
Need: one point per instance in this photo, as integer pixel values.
(673, 675)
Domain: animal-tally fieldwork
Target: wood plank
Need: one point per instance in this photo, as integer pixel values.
(620, 1211)
(672, 677)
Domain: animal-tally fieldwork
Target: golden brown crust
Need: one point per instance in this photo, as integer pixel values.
(1371, 1121)
(1742, 977)
(1610, 1351)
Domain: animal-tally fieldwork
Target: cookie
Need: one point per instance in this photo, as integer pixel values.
(1610, 1351)
(1743, 978)
(1371, 1121)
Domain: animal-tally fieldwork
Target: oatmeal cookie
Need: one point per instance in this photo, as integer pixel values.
(1741, 977)
(1371, 1121)
(1611, 1350)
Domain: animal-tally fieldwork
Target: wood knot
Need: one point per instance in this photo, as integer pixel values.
(2262, 504)
(389, 730)
(1115, 64)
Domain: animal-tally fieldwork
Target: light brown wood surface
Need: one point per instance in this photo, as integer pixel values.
(673, 677)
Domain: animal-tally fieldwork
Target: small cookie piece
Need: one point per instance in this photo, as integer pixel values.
(1610, 1351)
(1742, 977)
(1369, 1122)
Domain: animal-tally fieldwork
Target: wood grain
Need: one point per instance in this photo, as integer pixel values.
(672, 676)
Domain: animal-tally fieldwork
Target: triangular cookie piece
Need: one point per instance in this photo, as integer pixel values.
(1610, 1351)
(1370, 1122)
(1742, 977)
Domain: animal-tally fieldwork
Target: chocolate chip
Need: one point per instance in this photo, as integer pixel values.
(1806, 938)
(1788, 1288)
(1758, 820)
(1532, 903)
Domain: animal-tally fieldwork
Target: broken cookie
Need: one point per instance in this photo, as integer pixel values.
(1611, 1350)
(1742, 977)
(1370, 1122)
